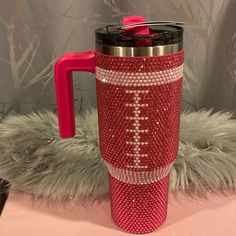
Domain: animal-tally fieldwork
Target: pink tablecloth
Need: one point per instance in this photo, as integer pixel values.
(186, 217)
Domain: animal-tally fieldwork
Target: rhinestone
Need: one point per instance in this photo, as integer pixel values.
(141, 79)
(138, 161)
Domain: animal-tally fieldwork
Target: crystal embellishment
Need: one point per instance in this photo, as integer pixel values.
(150, 78)
(138, 101)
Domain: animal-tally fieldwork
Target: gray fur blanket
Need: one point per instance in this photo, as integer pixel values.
(34, 159)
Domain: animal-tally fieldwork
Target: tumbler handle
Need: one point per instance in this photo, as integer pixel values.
(64, 66)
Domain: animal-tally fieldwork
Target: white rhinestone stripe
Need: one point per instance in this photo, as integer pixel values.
(139, 177)
(138, 78)
(136, 129)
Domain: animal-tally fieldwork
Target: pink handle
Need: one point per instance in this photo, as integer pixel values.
(65, 65)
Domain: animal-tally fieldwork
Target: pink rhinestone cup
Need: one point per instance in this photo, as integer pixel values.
(138, 102)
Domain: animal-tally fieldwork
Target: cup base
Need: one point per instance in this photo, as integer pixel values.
(139, 208)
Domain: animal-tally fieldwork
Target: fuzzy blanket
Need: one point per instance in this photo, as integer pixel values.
(34, 159)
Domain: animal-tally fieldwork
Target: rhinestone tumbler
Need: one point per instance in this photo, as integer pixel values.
(139, 70)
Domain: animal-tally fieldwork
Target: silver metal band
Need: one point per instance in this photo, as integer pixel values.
(139, 51)
(139, 177)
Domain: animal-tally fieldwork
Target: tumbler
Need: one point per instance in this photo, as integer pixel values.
(139, 71)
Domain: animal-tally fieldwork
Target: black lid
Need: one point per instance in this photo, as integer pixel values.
(160, 35)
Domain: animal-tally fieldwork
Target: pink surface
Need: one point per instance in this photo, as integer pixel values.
(186, 217)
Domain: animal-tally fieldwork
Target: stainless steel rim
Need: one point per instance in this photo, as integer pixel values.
(139, 51)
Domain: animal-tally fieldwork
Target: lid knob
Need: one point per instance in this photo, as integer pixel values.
(127, 20)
